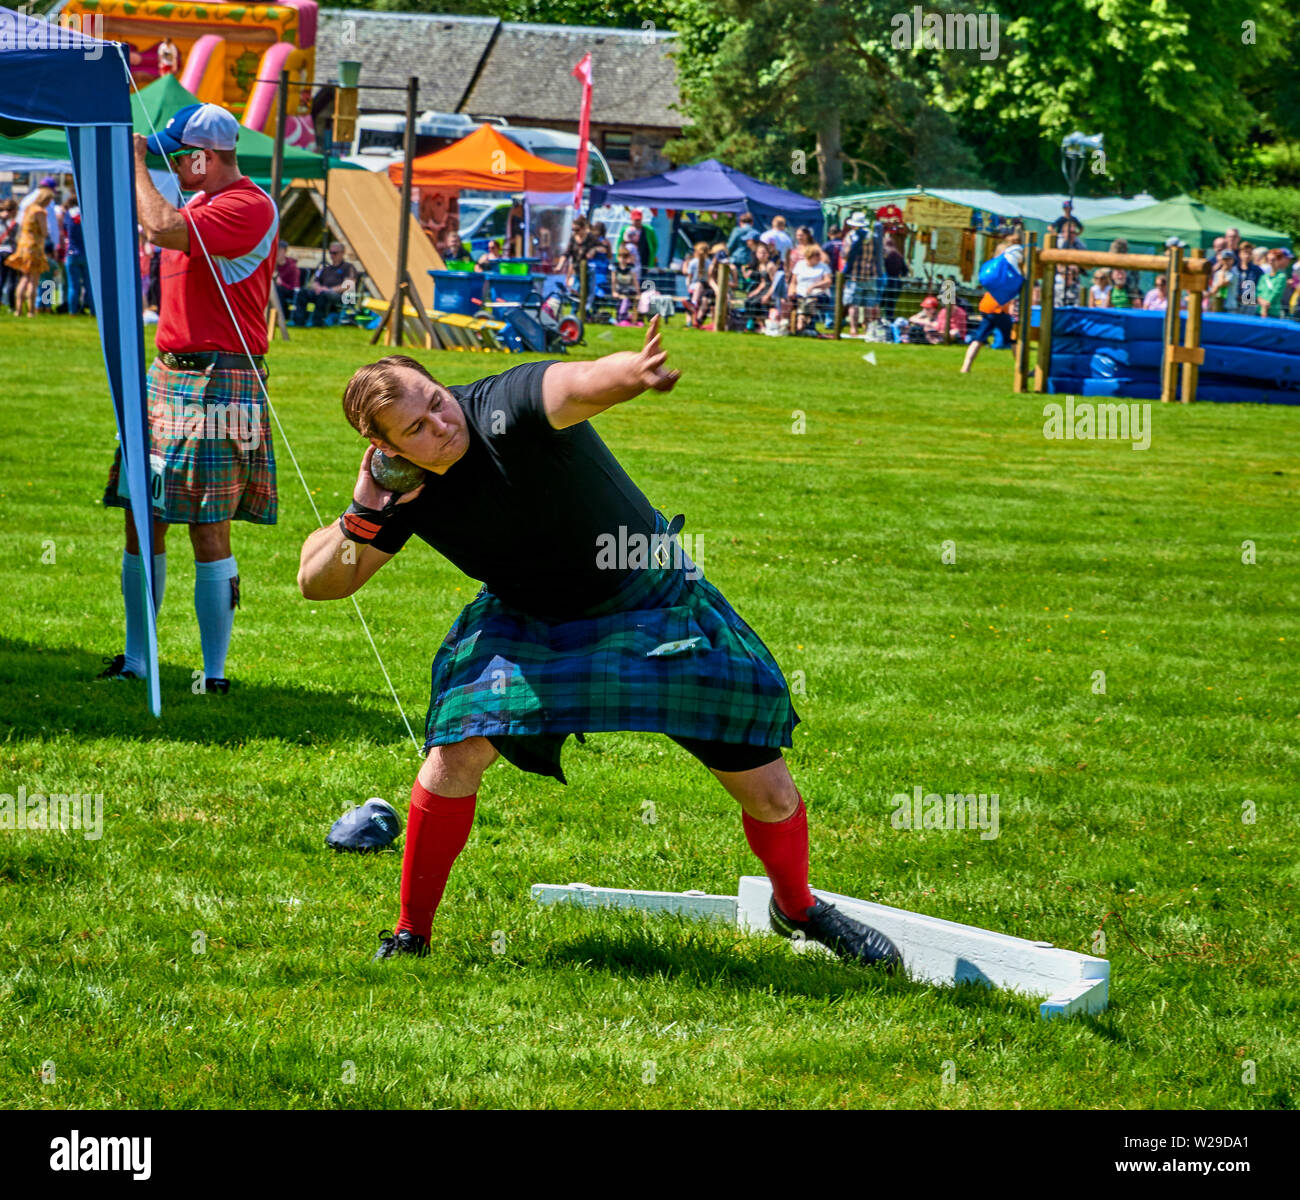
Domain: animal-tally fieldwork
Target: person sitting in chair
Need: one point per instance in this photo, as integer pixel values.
(328, 283)
(456, 250)
(288, 277)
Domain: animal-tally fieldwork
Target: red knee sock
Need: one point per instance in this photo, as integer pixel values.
(437, 829)
(782, 847)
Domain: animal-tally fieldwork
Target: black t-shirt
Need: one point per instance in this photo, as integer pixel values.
(525, 507)
(332, 274)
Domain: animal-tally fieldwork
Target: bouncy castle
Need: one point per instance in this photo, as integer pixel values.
(228, 54)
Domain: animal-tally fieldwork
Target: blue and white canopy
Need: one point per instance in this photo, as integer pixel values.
(53, 76)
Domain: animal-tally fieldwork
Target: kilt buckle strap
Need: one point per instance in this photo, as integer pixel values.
(203, 360)
(661, 553)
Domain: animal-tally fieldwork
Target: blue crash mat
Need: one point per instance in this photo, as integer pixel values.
(1139, 325)
(1218, 389)
(1128, 360)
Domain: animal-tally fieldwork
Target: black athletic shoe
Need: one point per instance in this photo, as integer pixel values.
(220, 686)
(848, 938)
(116, 669)
(392, 944)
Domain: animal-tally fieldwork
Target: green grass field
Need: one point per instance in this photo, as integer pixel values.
(1162, 812)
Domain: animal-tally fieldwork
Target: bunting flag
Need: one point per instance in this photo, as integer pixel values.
(583, 72)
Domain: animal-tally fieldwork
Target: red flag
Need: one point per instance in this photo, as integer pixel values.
(583, 71)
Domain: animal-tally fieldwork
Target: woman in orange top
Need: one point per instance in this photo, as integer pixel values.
(28, 258)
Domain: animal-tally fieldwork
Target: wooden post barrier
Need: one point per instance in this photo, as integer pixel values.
(1193, 350)
(839, 304)
(1043, 365)
(1021, 382)
(431, 339)
(1098, 258)
(724, 297)
(1168, 367)
(1191, 277)
(390, 328)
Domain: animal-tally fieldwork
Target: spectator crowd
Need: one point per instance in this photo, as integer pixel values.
(779, 281)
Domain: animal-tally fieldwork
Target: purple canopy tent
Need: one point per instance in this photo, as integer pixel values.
(711, 186)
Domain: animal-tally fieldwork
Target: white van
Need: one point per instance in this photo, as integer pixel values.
(561, 148)
(379, 137)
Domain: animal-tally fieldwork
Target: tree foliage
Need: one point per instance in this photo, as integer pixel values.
(1273, 207)
(1188, 93)
(1166, 82)
(807, 94)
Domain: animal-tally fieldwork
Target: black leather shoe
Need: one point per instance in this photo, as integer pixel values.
(220, 686)
(392, 944)
(850, 939)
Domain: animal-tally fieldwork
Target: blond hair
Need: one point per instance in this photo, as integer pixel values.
(374, 388)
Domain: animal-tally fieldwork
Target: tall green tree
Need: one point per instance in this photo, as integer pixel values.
(801, 92)
(1168, 82)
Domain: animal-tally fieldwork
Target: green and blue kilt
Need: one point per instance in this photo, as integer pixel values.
(526, 683)
(209, 460)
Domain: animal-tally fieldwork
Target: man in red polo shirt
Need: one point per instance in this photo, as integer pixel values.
(212, 460)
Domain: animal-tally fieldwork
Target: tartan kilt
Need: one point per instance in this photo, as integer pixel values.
(526, 683)
(211, 455)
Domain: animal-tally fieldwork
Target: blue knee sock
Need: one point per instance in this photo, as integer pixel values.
(214, 602)
(135, 639)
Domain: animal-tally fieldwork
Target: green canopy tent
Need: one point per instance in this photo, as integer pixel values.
(151, 108)
(1196, 223)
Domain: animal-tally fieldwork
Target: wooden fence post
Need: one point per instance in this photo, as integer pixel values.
(1194, 354)
(1169, 357)
(1043, 364)
(1021, 380)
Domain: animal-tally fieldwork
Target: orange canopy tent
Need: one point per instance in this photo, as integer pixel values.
(487, 161)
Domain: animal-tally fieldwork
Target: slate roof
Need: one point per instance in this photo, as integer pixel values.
(443, 52)
(523, 73)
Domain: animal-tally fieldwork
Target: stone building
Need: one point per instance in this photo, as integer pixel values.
(486, 67)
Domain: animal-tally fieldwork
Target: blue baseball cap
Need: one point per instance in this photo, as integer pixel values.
(370, 826)
(197, 126)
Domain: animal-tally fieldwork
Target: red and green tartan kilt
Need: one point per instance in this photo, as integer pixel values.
(526, 683)
(211, 455)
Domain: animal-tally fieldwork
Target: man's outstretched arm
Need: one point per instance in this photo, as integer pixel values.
(573, 392)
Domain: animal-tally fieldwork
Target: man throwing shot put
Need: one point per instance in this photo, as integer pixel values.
(212, 460)
(564, 637)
